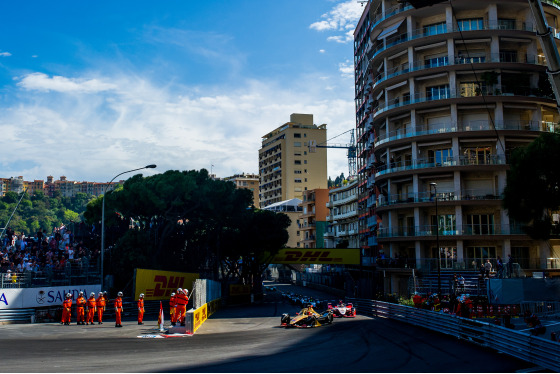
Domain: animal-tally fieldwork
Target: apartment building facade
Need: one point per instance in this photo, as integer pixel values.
(444, 94)
(287, 168)
(313, 218)
(249, 182)
(292, 208)
(342, 218)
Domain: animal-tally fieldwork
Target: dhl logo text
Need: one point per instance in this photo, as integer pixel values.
(322, 256)
(164, 286)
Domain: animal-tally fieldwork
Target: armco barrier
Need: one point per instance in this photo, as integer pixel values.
(522, 345)
(17, 315)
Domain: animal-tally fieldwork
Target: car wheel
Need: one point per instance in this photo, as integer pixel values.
(285, 319)
(330, 318)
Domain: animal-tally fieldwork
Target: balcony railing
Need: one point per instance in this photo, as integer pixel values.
(503, 57)
(465, 230)
(420, 33)
(417, 97)
(390, 12)
(466, 127)
(431, 163)
(423, 197)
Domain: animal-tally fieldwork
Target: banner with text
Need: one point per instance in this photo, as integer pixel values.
(158, 284)
(18, 298)
(334, 256)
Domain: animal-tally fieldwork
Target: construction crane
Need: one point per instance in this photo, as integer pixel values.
(351, 147)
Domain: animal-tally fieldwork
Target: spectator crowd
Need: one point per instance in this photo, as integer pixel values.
(43, 254)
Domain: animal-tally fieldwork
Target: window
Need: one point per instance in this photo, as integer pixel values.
(478, 156)
(297, 180)
(297, 153)
(297, 135)
(445, 224)
(434, 29)
(305, 161)
(508, 56)
(470, 89)
(297, 171)
(480, 224)
(471, 56)
(437, 92)
(297, 144)
(297, 162)
(432, 62)
(506, 24)
(470, 24)
(440, 156)
(476, 256)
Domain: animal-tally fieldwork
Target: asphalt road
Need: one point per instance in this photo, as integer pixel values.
(246, 339)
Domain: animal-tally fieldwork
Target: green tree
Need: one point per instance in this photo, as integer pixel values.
(188, 220)
(532, 192)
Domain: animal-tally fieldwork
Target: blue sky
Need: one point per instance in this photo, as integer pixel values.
(90, 89)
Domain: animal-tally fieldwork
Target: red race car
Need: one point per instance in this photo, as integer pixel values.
(342, 309)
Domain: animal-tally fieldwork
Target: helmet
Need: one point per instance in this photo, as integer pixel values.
(185, 291)
(141, 295)
(119, 294)
(172, 293)
(104, 292)
(81, 293)
(68, 295)
(179, 290)
(92, 294)
(100, 294)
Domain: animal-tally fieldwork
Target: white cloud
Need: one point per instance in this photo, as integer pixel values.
(5, 54)
(42, 82)
(343, 17)
(321, 51)
(346, 68)
(92, 128)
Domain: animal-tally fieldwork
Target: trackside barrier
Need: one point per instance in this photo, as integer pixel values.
(206, 300)
(522, 345)
(17, 315)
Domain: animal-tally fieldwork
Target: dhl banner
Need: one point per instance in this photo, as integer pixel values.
(158, 284)
(337, 256)
(199, 316)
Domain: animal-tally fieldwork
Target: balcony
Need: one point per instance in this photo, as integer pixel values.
(346, 215)
(421, 33)
(418, 98)
(423, 197)
(502, 57)
(345, 200)
(430, 163)
(468, 127)
(465, 230)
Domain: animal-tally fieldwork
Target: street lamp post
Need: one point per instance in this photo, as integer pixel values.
(152, 166)
(433, 184)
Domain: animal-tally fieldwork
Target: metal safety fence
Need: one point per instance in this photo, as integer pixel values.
(205, 291)
(539, 351)
(541, 308)
(71, 274)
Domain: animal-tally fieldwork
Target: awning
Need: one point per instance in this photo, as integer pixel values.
(390, 30)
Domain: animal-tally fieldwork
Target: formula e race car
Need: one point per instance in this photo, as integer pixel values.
(307, 317)
(342, 310)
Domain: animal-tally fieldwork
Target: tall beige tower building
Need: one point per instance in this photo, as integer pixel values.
(286, 167)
